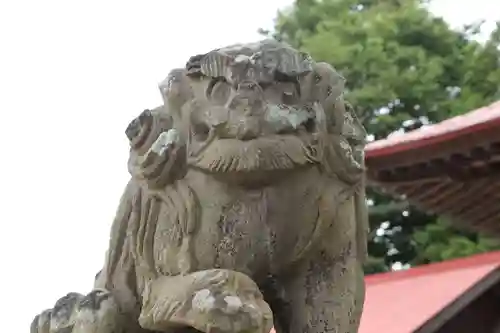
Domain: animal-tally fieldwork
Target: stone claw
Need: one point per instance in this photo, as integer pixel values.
(95, 312)
(94, 299)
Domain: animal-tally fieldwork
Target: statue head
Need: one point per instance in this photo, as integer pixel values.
(254, 109)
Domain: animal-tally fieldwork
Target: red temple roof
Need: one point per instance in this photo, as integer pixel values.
(474, 121)
(401, 302)
(450, 168)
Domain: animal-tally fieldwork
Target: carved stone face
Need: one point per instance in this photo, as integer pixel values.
(254, 108)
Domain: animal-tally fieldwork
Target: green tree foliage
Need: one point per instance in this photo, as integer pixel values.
(441, 241)
(404, 68)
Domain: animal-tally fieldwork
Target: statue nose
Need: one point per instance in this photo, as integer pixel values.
(248, 98)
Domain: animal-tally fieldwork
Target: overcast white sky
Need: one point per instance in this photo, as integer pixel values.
(72, 75)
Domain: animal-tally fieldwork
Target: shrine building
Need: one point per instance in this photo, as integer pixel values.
(451, 169)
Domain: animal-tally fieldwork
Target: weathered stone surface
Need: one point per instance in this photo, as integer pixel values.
(246, 195)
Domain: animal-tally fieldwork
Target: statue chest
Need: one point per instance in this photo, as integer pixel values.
(255, 231)
(251, 231)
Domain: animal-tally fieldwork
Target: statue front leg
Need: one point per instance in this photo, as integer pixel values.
(327, 296)
(214, 300)
(326, 291)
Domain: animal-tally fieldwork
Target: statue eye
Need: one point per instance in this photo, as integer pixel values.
(317, 78)
(218, 90)
(213, 82)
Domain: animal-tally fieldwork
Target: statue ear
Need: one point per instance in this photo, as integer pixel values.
(335, 110)
(176, 90)
(329, 88)
(352, 128)
(334, 84)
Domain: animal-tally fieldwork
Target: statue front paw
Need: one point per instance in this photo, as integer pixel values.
(96, 312)
(214, 300)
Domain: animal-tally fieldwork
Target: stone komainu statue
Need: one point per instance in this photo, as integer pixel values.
(245, 208)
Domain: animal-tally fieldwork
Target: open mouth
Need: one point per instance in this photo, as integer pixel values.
(279, 152)
(279, 141)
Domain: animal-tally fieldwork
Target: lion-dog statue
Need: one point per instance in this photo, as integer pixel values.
(245, 209)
